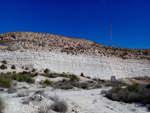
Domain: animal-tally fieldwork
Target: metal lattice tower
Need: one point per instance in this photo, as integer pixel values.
(110, 36)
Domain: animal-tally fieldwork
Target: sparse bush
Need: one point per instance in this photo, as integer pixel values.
(23, 77)
(46, 71)
(63, 85)
(47, 82)
(81, 85)
(26, 68)
(54, 75)
(33, 70)
(24, 72)
(11, 90)
(13, 67)
(54, 98)
(59, 106)
(51, 75)
(132, 93)
(148, 86)
(36, 74)
(74, 78)
(88, 77)
(4, 62)
(82, 75)
(43, 111)
(99, 80)
(1, 105)
(62, 74)
(142, 78)
(5, 81)
(114, 83)
(3, 67)
(133, 88)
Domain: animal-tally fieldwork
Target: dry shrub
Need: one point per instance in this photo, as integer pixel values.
(47, 82)
(11, 90)
(114, 83)
(59, 106)
(13, 67)
(46, 71)
(63, 85)
(33, 70)
(81, 85)
(82, 75)
(132, 93)
(3, 67)
(2, 106)
(4, 62)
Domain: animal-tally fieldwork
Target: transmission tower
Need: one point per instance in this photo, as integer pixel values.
(110, 36)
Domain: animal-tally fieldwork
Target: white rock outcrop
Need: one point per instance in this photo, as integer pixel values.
(95, 67)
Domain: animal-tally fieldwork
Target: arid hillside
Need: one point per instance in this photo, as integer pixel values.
(49, 42)
(71, 55)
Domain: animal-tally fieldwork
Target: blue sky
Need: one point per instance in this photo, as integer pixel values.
(88, 19)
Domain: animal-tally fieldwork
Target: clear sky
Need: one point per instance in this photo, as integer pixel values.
(88, 19)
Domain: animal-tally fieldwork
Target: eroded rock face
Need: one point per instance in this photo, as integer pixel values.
(64, 54)
(95, 67)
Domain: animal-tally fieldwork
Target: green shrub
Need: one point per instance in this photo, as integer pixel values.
(74, 78)
(29, 80)
(23, 78)
(54, 75)
(13, 67)
(62, 74)
(133, 88)
(5, 81)
(3, 67)
(51, 75)
(47, 82)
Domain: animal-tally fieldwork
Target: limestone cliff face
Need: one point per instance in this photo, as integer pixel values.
(63, 54)
(95, 67)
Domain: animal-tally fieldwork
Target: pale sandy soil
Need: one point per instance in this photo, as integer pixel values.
(79, 101)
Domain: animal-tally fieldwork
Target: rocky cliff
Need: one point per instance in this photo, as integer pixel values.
(64, 54)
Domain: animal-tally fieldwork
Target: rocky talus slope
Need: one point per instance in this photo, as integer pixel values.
(65, 54)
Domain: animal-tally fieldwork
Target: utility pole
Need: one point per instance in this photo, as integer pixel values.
(110, 36)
